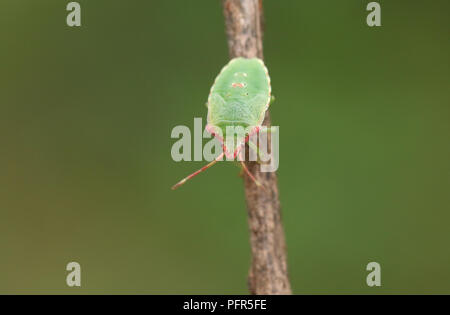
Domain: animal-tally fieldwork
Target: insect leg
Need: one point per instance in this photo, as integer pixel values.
(184, 180)
(249, 174)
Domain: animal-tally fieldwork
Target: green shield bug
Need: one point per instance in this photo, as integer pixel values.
(239, 99)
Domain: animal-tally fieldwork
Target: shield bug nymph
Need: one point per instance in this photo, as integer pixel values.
(239, 98)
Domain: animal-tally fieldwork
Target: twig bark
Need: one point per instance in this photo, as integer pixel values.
(268, 271)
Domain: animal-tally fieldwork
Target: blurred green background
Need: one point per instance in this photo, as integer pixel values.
(85, 120)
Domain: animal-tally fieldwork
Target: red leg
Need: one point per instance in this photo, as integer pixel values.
(249, 174)
(204, 168)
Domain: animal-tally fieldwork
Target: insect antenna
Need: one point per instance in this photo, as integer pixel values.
(204, 168)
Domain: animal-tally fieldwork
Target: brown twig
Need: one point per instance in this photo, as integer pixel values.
(268, 272)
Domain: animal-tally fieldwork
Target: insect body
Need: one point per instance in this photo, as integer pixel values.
(238, 100)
